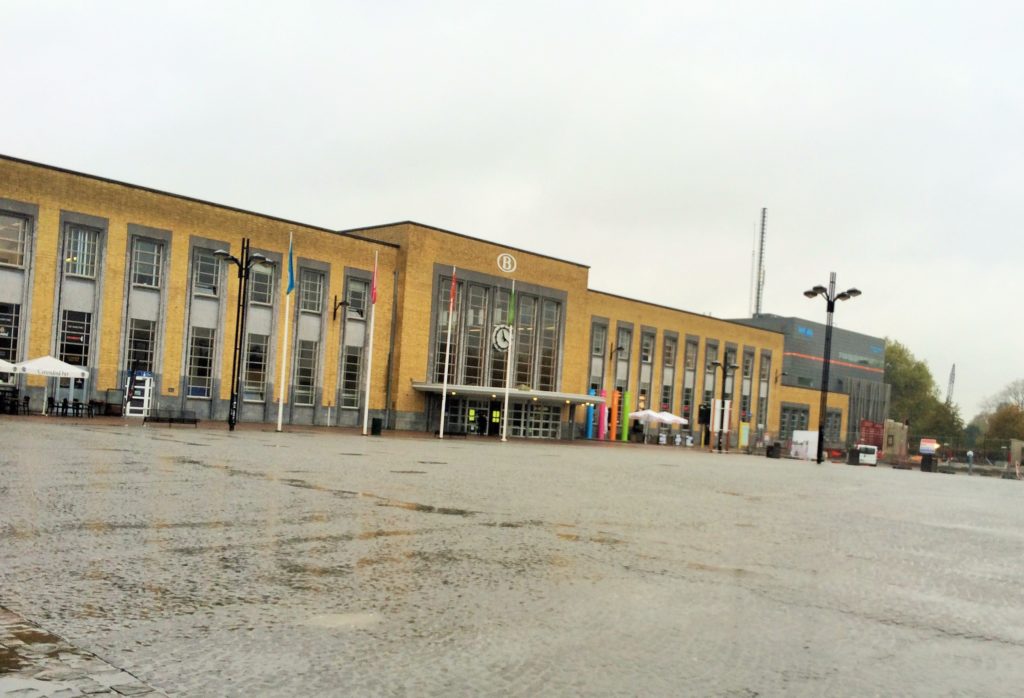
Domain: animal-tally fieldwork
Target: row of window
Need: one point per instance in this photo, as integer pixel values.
(619, 353)
(472, 357)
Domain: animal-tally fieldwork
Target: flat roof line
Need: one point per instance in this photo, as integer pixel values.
(193, 199)
(466, 237)
(680, 310)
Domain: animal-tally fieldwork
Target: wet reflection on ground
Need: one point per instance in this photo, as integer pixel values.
(291, 564)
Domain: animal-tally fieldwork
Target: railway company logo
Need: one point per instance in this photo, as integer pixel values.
(506, 262)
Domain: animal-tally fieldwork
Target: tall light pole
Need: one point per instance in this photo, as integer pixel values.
(830, 296)
(721, 405)
(244, 265)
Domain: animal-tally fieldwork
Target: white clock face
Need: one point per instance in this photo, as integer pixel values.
(502, 337)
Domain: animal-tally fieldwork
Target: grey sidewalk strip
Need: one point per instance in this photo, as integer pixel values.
(35, 663)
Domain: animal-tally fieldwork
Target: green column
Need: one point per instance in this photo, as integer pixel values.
(626, 408)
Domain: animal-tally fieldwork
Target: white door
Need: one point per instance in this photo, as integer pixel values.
(140, 396)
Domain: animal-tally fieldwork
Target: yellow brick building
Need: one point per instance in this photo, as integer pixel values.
(135, 285)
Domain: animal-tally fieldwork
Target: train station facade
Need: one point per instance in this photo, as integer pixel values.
(124, 281)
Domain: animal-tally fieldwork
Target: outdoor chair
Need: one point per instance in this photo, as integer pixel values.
(64, 407)
(51, 406)
(76, 408)
(24, 405)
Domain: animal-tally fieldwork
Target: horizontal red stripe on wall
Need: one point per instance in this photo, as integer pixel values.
(837, 362)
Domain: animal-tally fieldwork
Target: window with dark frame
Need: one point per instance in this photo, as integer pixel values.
(254, 372)
(306, 356)
(147, 262)
(205, 272)
(13, 239)
(200, 362)
(80, 251)
(141, 345)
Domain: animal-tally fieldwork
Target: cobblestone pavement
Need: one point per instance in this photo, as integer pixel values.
(38, 664)
(252, 563)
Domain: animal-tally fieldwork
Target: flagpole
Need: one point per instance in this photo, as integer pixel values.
(447, 352)
(508, 365)
(369, 351)
(287, 317)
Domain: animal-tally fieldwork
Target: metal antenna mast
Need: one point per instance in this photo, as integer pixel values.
(760, 265)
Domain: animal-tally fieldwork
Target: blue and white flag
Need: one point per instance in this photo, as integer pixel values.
(291, 268)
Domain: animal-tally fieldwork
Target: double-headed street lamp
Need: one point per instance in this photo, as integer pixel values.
(721, 406)
(245, 264)
(830, 296)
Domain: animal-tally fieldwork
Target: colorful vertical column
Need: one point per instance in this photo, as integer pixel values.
(626, 402)
(613, 417)
(590, 416)
(602, 412)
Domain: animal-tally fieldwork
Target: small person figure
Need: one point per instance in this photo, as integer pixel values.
(970, 462)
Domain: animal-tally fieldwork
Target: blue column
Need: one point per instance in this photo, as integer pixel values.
(590, 416)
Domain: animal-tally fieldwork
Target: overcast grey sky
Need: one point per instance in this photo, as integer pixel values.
(641, 138)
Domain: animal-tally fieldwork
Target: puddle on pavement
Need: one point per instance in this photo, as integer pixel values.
(351, 454)
(432, 462)
(513, 524)
(316, 570)
(736, 571)
(344, 620)
(409, 472)
(35, 636)
(425, 508)
(10, 662)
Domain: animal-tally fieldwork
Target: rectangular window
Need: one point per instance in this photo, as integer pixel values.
(833, 424)
(80, 246)
(730, 375)
(356, 295)
(793, 418)
(305, 372)
(147, 262)
(473, 339)
(599, 337)
(547, 354)
(200, 362)
(689, 378)
(141, 345)
(13, 237)
(10, 324)
(710, 371)
(647, 340)
(598, 347)
(499, 316)
(205, 272)
(311, 291)
(746, 387)
(254, 374)
(526, 333)
(261, 284)
(668, 372)
(440, 335)
(623, 352)
(762, 417)
(351, 368)
(75, 332)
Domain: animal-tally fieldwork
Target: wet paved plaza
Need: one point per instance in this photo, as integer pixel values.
(314, 563)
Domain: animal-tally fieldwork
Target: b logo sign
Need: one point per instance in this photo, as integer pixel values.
(506, 262)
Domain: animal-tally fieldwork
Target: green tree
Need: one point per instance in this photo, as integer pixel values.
(914, 392)
(1007, 422)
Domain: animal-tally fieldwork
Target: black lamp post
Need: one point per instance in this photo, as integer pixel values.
(244, 265)
(721, 402)
(830, 296)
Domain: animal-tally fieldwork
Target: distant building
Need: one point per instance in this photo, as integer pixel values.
(857, 370)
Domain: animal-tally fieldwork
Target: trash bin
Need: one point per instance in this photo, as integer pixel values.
(853, 456)
(769, 450)
(375, 426)
(927, 463)
(662, 439)
(774, 450)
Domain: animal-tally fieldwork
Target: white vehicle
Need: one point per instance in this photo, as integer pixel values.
(867, 454)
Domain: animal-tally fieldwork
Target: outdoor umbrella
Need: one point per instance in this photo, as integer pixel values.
(645, 416)
(670, 418)
(50, 367)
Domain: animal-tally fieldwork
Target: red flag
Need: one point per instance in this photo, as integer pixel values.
(451, 296)
(373, 284)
